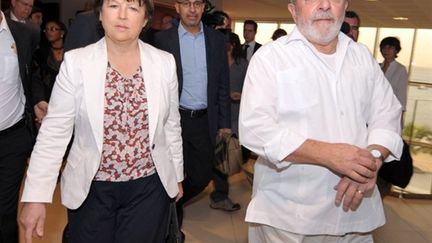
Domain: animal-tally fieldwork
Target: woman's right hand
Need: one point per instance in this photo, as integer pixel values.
(32, 219)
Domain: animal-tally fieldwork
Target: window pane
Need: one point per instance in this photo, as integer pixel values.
(265, 32)
(405, 36)
(367, 37)
(238, 29)
(421, 65)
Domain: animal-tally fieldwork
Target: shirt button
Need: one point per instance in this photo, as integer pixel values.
(342, 113)
(153, 146)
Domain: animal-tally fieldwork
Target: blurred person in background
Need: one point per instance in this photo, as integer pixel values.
(48, 59)
(250, 28)
(394, 71)
(36, 16)
(278, 33)
(20, 10)
(166, 22)
(353, 20)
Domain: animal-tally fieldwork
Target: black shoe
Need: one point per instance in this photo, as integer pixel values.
(226, 205)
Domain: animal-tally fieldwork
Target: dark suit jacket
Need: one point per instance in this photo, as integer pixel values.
(26, 43)
(257, 46)
(83, 31)
(218, 99)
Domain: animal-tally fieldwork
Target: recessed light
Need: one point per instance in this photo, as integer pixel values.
(400, 18)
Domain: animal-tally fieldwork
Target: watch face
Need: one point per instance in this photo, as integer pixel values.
(376, 154)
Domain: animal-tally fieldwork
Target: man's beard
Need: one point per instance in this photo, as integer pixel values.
(314, 33)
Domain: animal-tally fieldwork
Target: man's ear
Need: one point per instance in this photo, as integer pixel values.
(291, 8)
(176, 5)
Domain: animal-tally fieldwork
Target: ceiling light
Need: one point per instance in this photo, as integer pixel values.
(400, 18)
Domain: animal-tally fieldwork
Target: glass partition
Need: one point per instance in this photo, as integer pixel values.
(367, 36)
(421, 64)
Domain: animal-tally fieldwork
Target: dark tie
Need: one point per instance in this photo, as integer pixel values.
(245, 51)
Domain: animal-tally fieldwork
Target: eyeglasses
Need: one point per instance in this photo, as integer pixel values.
(187, 4)
(52, 29)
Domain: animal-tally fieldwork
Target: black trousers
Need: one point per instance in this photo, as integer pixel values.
(117, 212)
(198, 154)
(221, 186)
(15, 148)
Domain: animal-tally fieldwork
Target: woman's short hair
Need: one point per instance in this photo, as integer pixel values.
(391, 41)
(278, 33)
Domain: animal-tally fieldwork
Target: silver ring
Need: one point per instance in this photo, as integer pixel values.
(360, 192)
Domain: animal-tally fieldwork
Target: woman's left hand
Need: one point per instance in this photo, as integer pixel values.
(180, 193)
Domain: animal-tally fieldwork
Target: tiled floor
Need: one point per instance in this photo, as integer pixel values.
(408, 220)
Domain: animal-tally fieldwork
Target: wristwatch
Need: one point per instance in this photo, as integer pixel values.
(377, 154)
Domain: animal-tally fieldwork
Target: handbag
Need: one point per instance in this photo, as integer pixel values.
(173, 232)
(228, 154)
(398, 172)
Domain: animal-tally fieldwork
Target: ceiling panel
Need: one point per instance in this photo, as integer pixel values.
(372, 13)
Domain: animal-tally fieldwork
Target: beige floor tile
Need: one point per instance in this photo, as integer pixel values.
(408, 220)
(399, 236)
(416, 213)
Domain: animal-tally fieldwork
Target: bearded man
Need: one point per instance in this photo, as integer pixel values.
(318, 111)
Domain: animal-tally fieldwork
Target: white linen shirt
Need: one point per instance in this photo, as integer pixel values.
(290, 95)
(397, 75)
(12, 97)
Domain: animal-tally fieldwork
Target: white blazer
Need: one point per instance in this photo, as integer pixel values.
(77, 104)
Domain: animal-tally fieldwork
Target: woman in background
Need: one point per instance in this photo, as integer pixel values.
(397, 76)
(48, 59)
(120, 97)
(238, 66)
(395, 72)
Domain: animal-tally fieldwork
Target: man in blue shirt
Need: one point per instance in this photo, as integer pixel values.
(202, 70)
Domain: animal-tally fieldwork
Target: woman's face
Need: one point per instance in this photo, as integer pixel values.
(53, 32)
(389, 52)
(123, 20)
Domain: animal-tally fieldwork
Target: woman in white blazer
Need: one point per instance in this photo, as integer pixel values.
(119, 97)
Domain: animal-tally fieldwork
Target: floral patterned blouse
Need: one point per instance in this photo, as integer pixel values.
(126, 147)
